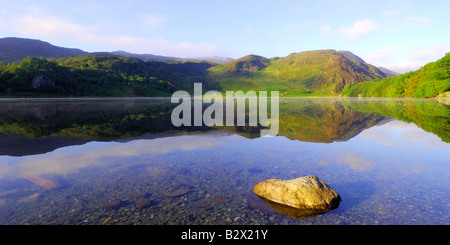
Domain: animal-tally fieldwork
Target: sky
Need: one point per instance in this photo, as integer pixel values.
(400, 35)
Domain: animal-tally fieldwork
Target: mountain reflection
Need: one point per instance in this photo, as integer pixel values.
(29, 127)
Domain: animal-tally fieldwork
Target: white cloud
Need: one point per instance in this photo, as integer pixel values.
(2, 24)
(52, 28)
(428, 54)
(404, 67)
(407, 19)
(354, 161)
(359, 29)
(96, 154)
(381, 135)
(417, 21)
(153, 21)
(249, 30)
(325, 28)
(384, 55)
(404, 58)
(392, 13)
(397, 134)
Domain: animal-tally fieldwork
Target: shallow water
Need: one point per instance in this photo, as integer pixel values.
(121, 161)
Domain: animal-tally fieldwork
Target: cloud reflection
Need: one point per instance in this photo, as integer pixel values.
(354, 161)
(396, 133)
(96, 154)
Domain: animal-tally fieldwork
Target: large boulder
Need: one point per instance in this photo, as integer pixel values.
(306, 193)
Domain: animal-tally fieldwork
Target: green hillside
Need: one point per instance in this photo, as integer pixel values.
(97, 75)
(51, 71)
(431, 80)
(320, 72)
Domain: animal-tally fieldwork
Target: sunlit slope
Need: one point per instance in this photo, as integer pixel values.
(432, 80)
(319, 72)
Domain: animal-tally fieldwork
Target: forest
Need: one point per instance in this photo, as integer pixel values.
(431, 80)
(96, 75)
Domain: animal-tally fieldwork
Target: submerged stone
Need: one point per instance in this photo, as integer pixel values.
(46, 183)
(222, 199)
(180, 191)
(305, 193)
(144, 204)
(113, 205)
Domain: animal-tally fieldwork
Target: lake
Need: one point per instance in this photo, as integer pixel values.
(122, 161)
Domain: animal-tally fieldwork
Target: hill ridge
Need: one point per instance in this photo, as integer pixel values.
(14, 49)
(319, 72)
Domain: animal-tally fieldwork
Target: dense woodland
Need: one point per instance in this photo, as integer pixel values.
(431, 80)
(97, 75)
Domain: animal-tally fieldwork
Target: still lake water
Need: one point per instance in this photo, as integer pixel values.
(121, 161)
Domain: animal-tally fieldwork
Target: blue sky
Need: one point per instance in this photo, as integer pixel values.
(401, 35)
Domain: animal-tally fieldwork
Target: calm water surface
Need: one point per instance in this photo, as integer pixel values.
(121, 161)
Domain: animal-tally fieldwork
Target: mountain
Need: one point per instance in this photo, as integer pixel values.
(148, 57)
(318, 72)
(74, 72)
(144, 56)
(214, 59)
(351, 55)
(249, 63)
(388, 72)
(14, 49)
(432, 80)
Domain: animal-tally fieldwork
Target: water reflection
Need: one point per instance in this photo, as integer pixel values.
(373, 152)
(38, 126)
(295, 212)
(102, 154)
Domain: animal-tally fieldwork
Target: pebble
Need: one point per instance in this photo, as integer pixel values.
(106, 220)
(129, 202)
(222, 199)
(112, 205)
(144, 204)
(179, 192)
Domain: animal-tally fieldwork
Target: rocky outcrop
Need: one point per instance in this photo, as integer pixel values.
(41, 81)
(304, 193)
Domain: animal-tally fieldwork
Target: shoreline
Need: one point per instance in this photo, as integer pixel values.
(198, 97)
